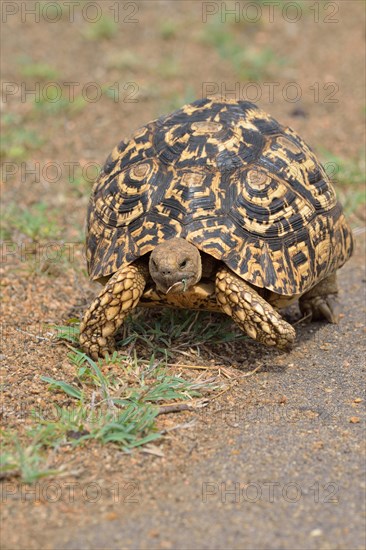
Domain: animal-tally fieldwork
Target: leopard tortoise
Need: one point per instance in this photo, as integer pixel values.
(216, 206)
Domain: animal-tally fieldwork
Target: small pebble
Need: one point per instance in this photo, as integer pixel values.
(316, 533)
(111, 516)
(299, 112)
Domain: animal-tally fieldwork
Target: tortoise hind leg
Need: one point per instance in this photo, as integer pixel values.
(116, 300)
(319, 302)
(252, 313)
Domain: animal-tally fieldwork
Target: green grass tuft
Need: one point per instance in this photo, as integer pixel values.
(249, 63)
(341, 171)
(104, 28)
(36, 221)
(175, 100)
(107, 408)
(167, 331)
(17, 141)
(39, 71)
(168, 29)
(79, 185)
(124, 60)
(26, 461)
(55, 103)
(168, 68)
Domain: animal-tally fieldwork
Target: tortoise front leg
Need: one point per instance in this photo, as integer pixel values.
(116, 300)
(320, 302)
(252, 313)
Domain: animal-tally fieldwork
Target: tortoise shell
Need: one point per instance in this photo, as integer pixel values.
(230, 179)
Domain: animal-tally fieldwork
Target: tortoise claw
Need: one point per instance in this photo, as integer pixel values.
(320, 307)
(97, 346)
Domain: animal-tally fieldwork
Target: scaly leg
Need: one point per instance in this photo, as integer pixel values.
(320, 302)
(252, 313)
(116, 300)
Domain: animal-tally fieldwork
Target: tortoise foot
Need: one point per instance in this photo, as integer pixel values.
(320, 302)
(252, 313)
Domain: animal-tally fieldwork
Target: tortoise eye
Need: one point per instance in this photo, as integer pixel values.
(183, 264)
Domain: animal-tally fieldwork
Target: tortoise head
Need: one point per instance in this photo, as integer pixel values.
(175, 266)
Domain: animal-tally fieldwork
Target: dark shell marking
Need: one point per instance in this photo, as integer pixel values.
(229, 178)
